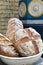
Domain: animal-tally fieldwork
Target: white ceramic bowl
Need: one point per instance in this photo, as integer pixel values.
(22, 60)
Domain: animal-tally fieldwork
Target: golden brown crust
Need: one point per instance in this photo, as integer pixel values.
(35, 47)
(6, 54)
(6, 47)
(23, 40)
(4, 41)
(11, 36)
(13, 25)
(28, 31)
(8, 51)
(31, 36)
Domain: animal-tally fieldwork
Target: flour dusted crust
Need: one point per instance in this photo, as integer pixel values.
(13, 25)
(34, 35)
(28, 42)
(21, 33)
(6, 47)
(16, 21)
(11, 36)
(8, 51)
(33, 31)
(4, 40)
(26, 47)
(39, 44)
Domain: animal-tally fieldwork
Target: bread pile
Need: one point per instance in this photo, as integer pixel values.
(20, 41)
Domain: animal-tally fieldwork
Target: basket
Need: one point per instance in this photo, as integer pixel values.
(8, 9)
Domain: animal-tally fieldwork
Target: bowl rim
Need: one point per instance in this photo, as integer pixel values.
(2, 56)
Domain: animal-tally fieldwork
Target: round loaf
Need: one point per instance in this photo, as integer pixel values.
(6, 47)
(34, 35)
(24, 45)
(13, 25)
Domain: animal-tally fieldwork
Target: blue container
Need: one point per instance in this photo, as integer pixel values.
(31, 13)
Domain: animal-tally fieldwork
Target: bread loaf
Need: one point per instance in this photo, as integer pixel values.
(6, 47)
(27, 48)
(34, 35)
(24, 45)
(13, 25)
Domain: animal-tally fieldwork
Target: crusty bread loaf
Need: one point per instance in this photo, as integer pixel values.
(24, 45)
(6, 47)
(34, 35)
(13, 25)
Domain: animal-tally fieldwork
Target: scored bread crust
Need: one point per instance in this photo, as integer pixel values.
(8, 51)
(26, 37)
(19, 45)
(13, 25)
(34, 35)
(21, 33)
(16, 21)
(6, 47)
(4, 40)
